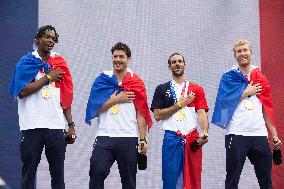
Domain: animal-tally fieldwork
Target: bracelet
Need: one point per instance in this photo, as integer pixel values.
(275, 139)
(49, 77)
(179, 105)
(205, 135)
(143, 139)
(72, 124)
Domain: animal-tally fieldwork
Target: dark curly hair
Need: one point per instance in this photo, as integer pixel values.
(169, 60)
(41, 31)
(123, 47)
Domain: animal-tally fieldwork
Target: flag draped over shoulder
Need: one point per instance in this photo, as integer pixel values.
(66, 84)
(104, 86)
(231, 87)
(265, 96)
(27, 69)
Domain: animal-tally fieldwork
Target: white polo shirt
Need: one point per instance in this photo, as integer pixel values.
(122, 124)
(38, 112)
(248, 122)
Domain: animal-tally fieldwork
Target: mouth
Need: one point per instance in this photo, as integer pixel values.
(117, 63)
(243, 59)
(177, 69)
(50, 47)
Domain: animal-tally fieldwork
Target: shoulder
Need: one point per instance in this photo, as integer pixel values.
(163, 86)
(195, 86)
(27, 59)
(108, 73)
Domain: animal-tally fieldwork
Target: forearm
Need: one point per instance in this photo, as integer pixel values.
(203, 120)
(245, 94)
(68, 115)
(162, 114)
(142, 125)
(270, 126)
(33, 87)
(109, 103)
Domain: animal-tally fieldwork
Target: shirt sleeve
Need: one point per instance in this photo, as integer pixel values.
(201, 102)
(157, 102)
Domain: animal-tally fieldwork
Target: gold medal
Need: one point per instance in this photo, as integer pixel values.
(180, 115)
(45, 93)
(114, 109)
(248, 105)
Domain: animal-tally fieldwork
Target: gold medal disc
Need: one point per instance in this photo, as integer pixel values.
(248, 105)
(180, 115)
(45, 93)
(114, 109)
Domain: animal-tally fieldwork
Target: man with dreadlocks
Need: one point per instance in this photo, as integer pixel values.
(42, 84)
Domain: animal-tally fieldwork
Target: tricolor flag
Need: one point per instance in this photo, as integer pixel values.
(104, 86)
(203, 31)
(231, 87)
(27, 69)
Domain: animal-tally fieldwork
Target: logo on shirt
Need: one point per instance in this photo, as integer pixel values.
(168, 93)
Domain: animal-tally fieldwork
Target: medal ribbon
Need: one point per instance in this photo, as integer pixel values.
(172, 90)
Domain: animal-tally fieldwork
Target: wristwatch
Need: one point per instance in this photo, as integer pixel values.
(71, 124)
(143, 139)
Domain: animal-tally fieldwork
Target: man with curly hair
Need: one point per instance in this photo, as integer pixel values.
(43, 86)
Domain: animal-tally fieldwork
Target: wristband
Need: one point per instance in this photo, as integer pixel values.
(275, 139)
(72, 124)
(179, 105)
(143, 139)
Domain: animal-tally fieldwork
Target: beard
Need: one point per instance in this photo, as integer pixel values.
(178, 73)
(244, 63)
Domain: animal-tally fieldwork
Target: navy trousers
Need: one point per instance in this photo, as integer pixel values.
(106, 151)
(256, 148)
(33, 142)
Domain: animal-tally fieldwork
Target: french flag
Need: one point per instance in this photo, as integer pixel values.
(27, 69)
(231, 87)
(104, 86)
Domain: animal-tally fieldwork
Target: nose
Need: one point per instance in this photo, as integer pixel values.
(242, 52)
(50, 40)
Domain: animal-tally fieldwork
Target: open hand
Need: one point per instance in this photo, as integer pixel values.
(253, 89)
(56, 75)
(187, 99)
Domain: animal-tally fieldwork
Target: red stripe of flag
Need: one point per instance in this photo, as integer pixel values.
(272, 64)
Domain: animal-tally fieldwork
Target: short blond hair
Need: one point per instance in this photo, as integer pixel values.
(242, 42)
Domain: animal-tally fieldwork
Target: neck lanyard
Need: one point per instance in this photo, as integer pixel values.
(173, 90)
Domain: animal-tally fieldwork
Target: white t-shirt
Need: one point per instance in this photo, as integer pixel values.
(248, 122)
(38, 112)
(122, 124)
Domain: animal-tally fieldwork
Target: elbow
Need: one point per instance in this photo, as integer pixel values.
(22, 95)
